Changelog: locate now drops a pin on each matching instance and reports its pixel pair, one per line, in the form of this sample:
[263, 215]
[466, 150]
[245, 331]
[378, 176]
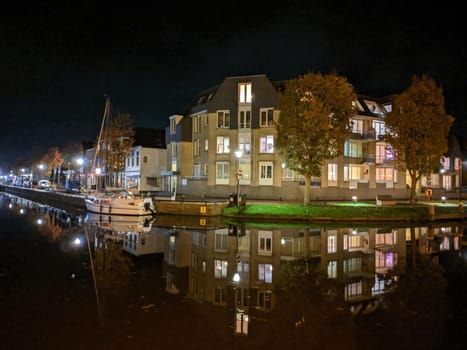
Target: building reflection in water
[236, 268]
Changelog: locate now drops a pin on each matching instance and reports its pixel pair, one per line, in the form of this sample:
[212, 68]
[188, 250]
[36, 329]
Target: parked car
[44, 184]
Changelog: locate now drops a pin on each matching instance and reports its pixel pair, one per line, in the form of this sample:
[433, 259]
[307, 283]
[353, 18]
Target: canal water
[72, 281]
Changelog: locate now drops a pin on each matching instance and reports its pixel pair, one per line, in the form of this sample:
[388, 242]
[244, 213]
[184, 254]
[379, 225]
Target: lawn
[340, 211]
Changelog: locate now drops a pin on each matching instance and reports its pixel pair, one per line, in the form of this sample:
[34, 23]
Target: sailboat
[116, 201]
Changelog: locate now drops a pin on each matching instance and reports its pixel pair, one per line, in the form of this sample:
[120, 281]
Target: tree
[314, 122]
[116, 143]
[418, 129]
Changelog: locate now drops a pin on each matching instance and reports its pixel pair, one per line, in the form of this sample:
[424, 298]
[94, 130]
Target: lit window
[223, 144]
[244, 91]
[265, 272]
[220, 268]
[266, 144]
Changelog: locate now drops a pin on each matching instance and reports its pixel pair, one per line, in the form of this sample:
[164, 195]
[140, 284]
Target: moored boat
[120, 203]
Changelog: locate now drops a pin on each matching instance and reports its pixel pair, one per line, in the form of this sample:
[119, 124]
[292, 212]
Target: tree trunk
[413, 189]
[306, 195]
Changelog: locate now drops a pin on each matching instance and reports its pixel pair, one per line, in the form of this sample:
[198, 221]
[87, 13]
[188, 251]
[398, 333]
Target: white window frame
[223, 144]
[244, 118]
[332, 174]
[266, 173]
[222, 173]
[266, 144]
[223, 119]
[266, 117]
[264, 242]
[245, 93]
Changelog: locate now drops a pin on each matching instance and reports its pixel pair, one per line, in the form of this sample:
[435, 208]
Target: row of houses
[198, 156]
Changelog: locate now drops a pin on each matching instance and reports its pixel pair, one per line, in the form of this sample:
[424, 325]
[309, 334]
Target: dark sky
[58, 62]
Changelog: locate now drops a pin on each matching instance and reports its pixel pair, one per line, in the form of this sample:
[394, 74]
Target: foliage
[310, 308]
[418, 128]
[314, 122]
[52, 161]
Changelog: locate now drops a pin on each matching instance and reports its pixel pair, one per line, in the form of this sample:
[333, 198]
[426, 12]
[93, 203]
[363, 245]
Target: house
[146, 160]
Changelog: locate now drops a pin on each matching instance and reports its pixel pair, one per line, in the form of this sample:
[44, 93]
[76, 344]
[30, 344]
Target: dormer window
[244, 92]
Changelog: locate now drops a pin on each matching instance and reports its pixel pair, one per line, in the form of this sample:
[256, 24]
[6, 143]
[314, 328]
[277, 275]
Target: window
[384, 174]
[196, 170]
[352, 265]
[205, 169]
[353, 290]
[223, 119]
[206, 144]
[332, 241]
[266, 117]
[380, 153]
[173, 149]
[351, 173]
[221, 239]
[173, 124]
[244, 91]
[244, 143]
[332, 174]
[264, 300]
[332, 269]
[223, 144]
[266, 144]
[379, 129]
[220, 268]
[353, 149]
[244, 121]
[264, 242]
[357, 126]
[265, 173]
[145, 160]
[196, 147]
[137, 158]
[222, 173]
[220, 295]
[447, 182]
[265, 272]
[196, 123]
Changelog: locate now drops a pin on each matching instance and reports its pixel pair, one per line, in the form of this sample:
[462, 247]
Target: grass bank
[346, 211]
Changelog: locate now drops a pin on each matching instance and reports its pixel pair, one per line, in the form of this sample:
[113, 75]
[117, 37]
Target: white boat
[120, 224]
[120, 203]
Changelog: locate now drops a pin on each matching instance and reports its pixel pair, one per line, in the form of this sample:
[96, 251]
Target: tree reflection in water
[301, 286]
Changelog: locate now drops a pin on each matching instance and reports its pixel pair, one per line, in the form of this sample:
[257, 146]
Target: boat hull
[115, 207]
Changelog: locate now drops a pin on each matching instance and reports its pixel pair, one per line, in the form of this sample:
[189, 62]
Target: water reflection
[294, 286]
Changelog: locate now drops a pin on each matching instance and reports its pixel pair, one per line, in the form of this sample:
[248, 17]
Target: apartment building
[239, 115]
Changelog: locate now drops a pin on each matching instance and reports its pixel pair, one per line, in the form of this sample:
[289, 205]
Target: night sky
[58, 63]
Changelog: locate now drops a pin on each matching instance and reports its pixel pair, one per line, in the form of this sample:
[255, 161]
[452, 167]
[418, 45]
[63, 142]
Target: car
[44, 184]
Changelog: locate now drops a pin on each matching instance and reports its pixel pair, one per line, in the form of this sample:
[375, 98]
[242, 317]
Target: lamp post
[238, 173]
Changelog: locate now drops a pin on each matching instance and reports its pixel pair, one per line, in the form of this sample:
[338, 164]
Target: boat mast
[106, 119]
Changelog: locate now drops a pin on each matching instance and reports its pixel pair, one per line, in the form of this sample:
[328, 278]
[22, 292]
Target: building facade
[240, 114]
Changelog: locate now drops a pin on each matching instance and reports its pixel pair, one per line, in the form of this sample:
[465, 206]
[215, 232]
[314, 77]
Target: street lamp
[238, 173]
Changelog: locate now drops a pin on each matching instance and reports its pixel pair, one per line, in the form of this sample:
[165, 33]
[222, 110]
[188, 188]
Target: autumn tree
[53, 161]
[418, 127]
[314, 122]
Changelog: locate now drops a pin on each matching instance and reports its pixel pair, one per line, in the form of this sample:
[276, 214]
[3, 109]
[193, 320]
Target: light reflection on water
[186, 280]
